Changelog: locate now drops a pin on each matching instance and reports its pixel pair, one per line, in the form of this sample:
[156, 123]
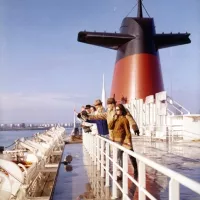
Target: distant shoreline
[26, 128]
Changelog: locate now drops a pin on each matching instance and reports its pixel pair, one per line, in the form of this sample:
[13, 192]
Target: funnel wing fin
[169, 40]
[103, 39]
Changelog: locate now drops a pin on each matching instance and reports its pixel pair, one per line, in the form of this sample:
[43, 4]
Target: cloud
[38, 107]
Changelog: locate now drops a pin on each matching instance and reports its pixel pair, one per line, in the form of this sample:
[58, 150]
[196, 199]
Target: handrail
[188, 112]
[96, 144]
[170, 173]
[175, 104]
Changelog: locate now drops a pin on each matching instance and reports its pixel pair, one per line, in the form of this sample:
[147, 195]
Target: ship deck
[84, 181]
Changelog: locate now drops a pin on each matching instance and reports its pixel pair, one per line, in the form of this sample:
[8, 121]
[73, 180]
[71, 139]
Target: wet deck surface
[182, 157]
[84, 182]
[71, 184]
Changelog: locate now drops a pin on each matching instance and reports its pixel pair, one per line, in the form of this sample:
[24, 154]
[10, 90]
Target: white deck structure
[159, 118]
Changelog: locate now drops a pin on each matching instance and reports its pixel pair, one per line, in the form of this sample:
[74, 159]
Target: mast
[139, 13]
[74, 119]
[103, 95]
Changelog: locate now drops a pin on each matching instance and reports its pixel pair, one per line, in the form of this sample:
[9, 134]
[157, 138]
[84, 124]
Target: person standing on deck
[111, 103]
[121, 134]
[87, 108]
[102, 125]
[92, 110]
[99, 107]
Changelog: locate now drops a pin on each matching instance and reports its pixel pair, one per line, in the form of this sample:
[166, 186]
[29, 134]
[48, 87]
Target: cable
[11, 144]
[142, 6]
[132, 9]
[146, 10]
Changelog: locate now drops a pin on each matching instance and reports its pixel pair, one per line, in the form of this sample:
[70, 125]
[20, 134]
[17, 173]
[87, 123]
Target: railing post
[174, 190]
[95, 150]
[107, 164]
[98, 154]
[85, 138]
[102, 158]
[114, 186]
[125, 178]
[91, 146]
[142, 180]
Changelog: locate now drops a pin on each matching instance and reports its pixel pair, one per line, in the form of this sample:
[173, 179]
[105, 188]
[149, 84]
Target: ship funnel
[139, 13]
[137, 72]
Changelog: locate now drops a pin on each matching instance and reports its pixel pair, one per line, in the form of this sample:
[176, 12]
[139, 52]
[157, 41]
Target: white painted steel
[102, 158]
[95, 150]
[174, 190]
[160, 118]
[98, 154]
[114, 186]
[36, 151]
[142, 180]
[103, 96]
[125, 178]
[176, 178]
[107, 164]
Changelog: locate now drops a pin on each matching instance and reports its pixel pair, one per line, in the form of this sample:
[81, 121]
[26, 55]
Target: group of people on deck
[116, 122]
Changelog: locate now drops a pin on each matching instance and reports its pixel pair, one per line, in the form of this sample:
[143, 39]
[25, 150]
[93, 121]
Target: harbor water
[8, 137]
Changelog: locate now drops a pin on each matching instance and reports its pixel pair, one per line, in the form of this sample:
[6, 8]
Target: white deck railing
[161, 117]
[99, 149]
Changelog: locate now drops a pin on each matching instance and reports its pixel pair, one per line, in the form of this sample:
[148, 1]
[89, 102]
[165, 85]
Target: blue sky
[45, 72]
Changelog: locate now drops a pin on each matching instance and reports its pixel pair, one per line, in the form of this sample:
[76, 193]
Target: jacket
[121, 131]
[102, 126]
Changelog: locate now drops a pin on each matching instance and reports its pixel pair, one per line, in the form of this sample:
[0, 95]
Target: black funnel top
[139, 13]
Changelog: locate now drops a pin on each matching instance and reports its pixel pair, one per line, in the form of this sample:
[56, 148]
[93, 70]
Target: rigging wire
[11, 144]
[135, 6]
[145, 10]
[132, 9]
[15, 142]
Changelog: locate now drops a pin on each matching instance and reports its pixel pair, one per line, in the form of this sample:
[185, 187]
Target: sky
[45, 72]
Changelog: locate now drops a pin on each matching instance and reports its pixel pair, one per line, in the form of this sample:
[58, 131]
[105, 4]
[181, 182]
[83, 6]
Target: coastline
[27, 128]
[23, 129]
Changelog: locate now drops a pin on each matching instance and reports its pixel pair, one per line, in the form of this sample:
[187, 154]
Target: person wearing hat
[108, 115]
[99, 108]
[92, 110]
[87, 108]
